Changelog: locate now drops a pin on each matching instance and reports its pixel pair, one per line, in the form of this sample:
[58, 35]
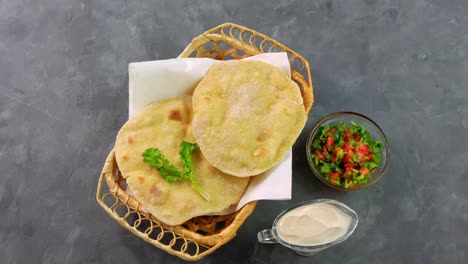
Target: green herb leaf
[374, 149]
[348, 184]
[325, 169]
[322, 131]
[356, 158]
[337, 181]
[316, 144]
[341, 127]
[379, 144]
[336, 135]
[185, 152]
[341, 142]
[169, 172]
[333, 166]
[362, 130]
[155, 158]
[377, 157]
[363, 181]
[370, 165]
[314, 159]
[340, 154]
[366, 138]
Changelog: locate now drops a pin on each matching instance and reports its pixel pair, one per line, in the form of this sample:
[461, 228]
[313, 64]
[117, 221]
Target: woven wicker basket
[202, 235]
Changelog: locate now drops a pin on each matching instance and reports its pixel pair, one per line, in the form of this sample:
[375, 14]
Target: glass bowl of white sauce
[311, 226]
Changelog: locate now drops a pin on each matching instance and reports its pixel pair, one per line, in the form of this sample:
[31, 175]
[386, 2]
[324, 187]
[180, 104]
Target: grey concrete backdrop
[63, 81]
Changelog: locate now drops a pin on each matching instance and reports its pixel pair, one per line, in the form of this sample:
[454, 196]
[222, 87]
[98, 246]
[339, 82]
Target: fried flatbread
[164, 125]
[247, 115]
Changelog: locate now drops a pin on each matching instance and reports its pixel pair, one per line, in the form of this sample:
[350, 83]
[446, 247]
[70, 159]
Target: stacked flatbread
[246, 115]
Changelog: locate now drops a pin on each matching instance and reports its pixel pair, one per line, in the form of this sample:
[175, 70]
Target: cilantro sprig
[169, 172]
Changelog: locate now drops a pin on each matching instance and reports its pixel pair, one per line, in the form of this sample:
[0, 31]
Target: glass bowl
[374, 130]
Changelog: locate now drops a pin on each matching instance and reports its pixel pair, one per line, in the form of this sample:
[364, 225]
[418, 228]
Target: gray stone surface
[63, 83]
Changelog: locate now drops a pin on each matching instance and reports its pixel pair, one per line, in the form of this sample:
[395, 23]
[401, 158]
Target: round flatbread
[164, 125]
[247, 115]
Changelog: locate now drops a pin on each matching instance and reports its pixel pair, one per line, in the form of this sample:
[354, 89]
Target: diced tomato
[346, 174]
[334, 175]
[347, 135]
[348, 157]
[336, 150]
[364, 171]
[325, 151]
[334, 159]
[348, 164]
[368, 150]
[332, 130]
[371, 157]
[330, 142]
[361, 156]
[363, 148]
[349, 170]
[348, 161]
[348, 146]
[319, 155]
[357, 138]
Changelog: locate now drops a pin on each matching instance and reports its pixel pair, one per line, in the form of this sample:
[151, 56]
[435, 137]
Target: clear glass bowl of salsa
[357, 159]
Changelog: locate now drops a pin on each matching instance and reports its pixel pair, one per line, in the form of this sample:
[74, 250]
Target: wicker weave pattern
[202, 235]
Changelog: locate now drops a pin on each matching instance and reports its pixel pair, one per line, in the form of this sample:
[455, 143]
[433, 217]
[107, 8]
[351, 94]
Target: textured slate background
[63, 81]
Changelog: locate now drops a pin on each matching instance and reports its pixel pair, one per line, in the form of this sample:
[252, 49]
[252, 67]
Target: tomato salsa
[345, 155]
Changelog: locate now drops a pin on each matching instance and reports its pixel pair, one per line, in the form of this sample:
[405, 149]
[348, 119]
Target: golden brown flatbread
[164, 125]
[247, 115]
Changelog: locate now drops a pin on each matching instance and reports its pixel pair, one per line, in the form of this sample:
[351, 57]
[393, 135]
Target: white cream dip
[313, 224]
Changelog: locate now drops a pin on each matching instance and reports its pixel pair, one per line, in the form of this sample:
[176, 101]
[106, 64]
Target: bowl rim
[337, 114]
